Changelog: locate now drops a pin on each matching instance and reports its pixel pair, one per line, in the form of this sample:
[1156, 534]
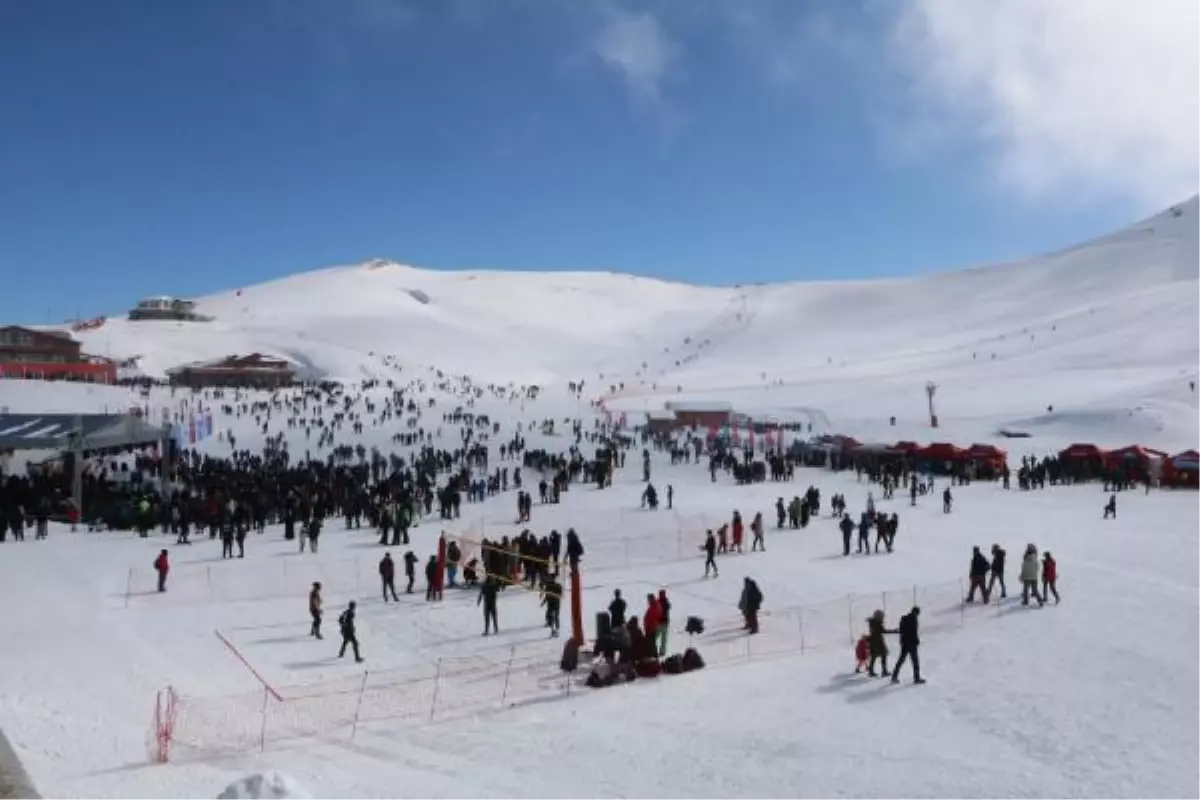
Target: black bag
[692, 660]
[673, 665]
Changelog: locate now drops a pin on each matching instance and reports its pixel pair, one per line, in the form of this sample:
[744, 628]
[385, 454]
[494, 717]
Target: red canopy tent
[907, 447]
[1135, 453]
[987, 453]
[1182, 470]
[1082, 452]
[942, 451]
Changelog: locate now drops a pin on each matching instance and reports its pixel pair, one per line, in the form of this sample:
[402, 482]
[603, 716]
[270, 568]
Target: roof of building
[252, 361]
[699, 405]
[53, 431]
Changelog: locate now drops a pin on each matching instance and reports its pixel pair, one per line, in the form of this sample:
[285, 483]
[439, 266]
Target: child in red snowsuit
[737, 532]
[862, 653]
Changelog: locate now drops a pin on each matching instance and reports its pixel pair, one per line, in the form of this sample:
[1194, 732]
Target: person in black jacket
[910, 640]
[410, 570]
[487, 598]
[979, 571]
[387, 576]
[349, 635]
[998, 556]
[314, 610]
[431, 580]
[616, 609]
[574, 549]
[710, 550]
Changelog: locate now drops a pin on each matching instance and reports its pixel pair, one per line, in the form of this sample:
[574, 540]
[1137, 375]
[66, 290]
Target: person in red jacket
[162, 566]
[1049, 577]
[652, 618]
[737, 531]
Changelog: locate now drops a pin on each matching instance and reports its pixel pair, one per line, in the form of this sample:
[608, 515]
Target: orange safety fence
[195, 726]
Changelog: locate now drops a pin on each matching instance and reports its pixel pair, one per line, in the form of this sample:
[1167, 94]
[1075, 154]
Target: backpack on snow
[673, 665]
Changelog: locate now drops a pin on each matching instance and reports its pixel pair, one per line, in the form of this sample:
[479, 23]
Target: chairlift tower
[930, 390]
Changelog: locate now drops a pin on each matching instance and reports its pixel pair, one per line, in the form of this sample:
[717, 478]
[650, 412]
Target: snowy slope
[1096, 697]
[1105, 332]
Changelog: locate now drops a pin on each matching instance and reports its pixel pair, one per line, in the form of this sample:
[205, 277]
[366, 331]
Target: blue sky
[191, 146]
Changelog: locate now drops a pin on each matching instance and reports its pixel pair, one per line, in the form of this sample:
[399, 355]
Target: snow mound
[264, 785]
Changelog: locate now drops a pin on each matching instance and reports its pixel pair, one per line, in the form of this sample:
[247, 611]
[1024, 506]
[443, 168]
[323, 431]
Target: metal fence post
[437, 682]
[362, 689]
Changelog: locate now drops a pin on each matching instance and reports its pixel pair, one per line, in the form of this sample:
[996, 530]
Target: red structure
[87, 371]
[942, 451]
[1082, 452]
[987, 454]
[1181, 471]
[31, 354]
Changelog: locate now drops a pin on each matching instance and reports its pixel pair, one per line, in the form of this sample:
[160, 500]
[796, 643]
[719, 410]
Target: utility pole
[77, 472]
[930, 389]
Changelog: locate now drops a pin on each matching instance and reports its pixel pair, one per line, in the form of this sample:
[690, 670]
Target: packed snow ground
[1060, 701]
[1095, 697]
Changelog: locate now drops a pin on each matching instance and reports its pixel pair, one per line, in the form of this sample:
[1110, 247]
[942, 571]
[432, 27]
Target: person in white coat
[1030, 570]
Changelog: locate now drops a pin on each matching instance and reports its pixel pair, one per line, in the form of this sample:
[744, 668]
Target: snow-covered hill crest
[1117, 317]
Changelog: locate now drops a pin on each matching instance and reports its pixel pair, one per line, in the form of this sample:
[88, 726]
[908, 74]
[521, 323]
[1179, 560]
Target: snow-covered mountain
[1104, 329]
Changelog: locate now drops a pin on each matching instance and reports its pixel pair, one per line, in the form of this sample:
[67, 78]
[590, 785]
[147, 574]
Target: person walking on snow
[710, 550]
[749, 605]
[978, 573]
[998, 557]
[1049, 577]
[756, 528]
[314, 610]
[349, 634]
[387, 576]
[1029, 576]
[879, 648]
[910, 640]
[487, 598]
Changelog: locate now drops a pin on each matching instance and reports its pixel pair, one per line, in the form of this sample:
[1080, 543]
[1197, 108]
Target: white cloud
[1078, 98]
[635, 47]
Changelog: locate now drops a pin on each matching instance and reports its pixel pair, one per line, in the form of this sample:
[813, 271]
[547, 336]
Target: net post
[362, 690]
[262, 731]
[577, 607]
[437, 684]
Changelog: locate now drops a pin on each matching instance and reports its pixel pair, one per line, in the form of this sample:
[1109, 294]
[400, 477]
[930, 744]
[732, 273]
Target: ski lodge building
[700, 414]
[253, 371]
[165, 308]
[26, 353]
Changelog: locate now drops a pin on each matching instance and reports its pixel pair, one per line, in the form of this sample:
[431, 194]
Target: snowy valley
[1095, 696]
